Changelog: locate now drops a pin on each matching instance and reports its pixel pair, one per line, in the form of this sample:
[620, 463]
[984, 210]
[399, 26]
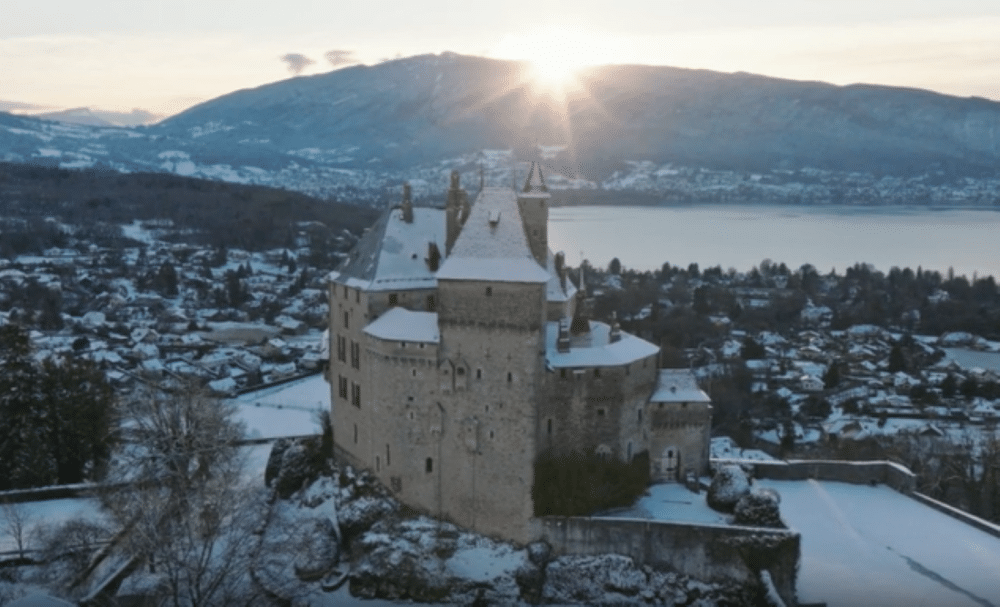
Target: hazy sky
[165, 56]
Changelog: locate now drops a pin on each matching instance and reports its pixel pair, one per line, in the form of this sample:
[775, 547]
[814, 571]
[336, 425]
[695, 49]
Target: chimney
[616, 330]
[560, 263]
[456, 211]
[562, 343]
[407, 204]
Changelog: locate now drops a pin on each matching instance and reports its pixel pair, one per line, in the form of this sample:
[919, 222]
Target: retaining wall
[858, 473]
[712, 553]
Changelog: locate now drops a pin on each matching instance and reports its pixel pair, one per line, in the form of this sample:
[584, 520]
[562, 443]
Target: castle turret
[533, 201]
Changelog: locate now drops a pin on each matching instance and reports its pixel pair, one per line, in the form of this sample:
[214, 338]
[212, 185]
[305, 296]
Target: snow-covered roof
[678, 385]
[492, 244]
[595, 348]
[400, 324]
[392, 255]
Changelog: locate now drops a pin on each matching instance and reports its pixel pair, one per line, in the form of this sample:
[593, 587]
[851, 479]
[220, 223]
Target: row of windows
[563, 372]
[355, 351]
[355, 391]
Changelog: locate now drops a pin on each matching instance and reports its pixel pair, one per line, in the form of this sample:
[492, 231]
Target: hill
[356, 133]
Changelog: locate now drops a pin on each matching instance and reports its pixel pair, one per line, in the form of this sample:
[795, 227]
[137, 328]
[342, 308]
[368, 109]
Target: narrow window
[388, 456]
[345, 291]
[479, 373]
[429, 465]
[628, 453]
[378, 464]
[548, 426]
[355, 434]
[491, 435]
[489, 291]
[640, 416]
[393, 301]
[510, 377]
[413, 372]
[600, 413]
[342, 386]
[412, 416]
[562, 373]
[347, 319]
[431, 303]
[597, 372]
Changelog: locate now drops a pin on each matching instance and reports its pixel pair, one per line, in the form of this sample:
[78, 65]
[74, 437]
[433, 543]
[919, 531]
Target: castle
[459, 353]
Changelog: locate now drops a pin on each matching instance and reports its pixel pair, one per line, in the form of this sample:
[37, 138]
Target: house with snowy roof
[460, 352]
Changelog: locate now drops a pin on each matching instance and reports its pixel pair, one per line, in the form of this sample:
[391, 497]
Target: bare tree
[340, 57]
[189, 511]
[18, 522]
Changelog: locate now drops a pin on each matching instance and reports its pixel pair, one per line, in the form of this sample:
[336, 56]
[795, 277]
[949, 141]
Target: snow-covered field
[285, 410]
[866, 545]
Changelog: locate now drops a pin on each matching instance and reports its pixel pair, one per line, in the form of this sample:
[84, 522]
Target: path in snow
[865, 545]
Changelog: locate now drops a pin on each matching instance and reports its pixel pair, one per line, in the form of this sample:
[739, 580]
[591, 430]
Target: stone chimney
[616, 330]
[560, 263]
[407, 205]
[562, 343]
[456, 211]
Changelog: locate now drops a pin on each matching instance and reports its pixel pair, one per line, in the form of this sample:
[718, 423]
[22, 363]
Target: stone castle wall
[714, 553]
[683, 428]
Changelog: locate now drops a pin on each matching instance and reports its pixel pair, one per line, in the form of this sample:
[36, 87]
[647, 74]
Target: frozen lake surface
[741, 236]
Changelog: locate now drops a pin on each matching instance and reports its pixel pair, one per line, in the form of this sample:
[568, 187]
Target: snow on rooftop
[865, 545]
[492, 244]
[678, 385]
[595, 349]
[400, 324]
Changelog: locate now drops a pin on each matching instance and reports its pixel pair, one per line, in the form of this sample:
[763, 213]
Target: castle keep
[459, 352]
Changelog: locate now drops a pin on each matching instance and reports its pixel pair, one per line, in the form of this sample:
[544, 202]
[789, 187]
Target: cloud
[13, 106]
[340, 57]
[296, 62]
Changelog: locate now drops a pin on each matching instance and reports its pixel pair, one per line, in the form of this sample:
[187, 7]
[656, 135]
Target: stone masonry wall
[714, 553]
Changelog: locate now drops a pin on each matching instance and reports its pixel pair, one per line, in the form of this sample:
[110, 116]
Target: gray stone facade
[449, 379]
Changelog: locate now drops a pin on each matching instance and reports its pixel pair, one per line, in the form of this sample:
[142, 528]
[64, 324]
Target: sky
[166, 56]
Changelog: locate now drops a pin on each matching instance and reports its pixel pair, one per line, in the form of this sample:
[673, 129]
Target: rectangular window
[342, 348]
[428, 465]
[345, 291]
[431, 303]
[342, 387]
[355, 354]
[356, 394]
[393, 301]
[347, 319]
[355, 434]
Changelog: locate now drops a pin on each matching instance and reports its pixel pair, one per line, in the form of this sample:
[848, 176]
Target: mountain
[670, 133]
[80, 115]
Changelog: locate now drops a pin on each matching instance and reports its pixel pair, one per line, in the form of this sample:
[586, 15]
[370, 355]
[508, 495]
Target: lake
[644, 237]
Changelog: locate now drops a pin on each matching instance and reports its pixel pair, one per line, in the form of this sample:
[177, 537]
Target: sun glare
[556, 55]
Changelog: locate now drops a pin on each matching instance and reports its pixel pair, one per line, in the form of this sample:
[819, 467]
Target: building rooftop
[400, 324]
[492, 244]
[678, 385]
[393, 254]
[595, 348]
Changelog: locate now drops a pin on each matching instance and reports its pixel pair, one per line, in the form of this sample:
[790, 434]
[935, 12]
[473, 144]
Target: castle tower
[533, 202]
[491, 369]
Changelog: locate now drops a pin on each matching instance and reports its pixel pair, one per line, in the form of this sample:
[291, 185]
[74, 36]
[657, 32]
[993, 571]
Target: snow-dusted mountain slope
[357, 133]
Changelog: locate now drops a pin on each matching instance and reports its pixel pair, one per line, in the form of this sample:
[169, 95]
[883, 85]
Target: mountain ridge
[356, 133]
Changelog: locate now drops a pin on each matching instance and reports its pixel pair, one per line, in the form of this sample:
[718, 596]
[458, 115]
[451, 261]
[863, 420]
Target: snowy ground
[671, 502]
[866, 545]
[285, 410]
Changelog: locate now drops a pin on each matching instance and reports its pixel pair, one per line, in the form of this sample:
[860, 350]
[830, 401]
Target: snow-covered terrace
[595, 348]
[864, 545]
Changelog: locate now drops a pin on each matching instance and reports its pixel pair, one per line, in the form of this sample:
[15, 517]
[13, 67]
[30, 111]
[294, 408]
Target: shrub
[581, 484]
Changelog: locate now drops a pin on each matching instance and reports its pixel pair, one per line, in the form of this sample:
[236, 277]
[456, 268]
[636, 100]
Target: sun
[556, 55]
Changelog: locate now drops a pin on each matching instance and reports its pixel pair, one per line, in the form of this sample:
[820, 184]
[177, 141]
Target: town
[798, 365]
